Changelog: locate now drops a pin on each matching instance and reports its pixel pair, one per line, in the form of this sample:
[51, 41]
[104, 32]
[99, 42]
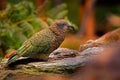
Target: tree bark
[3, 4]
[87, 19]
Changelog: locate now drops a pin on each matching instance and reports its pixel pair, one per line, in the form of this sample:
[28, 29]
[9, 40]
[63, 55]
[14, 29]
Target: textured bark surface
[65, 65]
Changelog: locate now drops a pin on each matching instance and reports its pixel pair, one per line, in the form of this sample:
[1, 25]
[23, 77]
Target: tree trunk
[3, 4]
[87, 19]
[39, 2]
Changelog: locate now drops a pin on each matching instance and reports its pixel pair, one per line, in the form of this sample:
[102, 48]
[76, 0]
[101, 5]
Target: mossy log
[66, 65]
[57, 66]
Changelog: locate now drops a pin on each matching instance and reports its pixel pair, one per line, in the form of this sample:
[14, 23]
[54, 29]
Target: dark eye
[56, 53]
[61, 25]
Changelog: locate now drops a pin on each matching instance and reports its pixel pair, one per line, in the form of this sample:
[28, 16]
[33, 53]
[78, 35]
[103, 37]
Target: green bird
[42, 43]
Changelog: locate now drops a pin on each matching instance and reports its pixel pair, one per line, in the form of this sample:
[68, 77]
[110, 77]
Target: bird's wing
[38, 47]
[40, 42]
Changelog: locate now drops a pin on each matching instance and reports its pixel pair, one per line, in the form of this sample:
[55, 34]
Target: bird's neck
[57, 31]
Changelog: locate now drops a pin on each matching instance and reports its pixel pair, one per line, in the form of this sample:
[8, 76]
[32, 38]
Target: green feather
[13, 58]
[38, 43]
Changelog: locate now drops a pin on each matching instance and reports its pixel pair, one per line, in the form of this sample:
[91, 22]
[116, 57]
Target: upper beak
[71, 27]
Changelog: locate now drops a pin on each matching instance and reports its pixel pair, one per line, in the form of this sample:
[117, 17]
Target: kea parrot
[42, 43]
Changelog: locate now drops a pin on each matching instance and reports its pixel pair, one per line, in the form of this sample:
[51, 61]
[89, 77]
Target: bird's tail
[12, 58]
[8, 55]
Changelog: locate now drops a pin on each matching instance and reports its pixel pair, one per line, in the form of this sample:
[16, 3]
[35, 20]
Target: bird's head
[63, 25]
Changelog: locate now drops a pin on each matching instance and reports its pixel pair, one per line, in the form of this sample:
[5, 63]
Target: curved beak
[71, 27]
